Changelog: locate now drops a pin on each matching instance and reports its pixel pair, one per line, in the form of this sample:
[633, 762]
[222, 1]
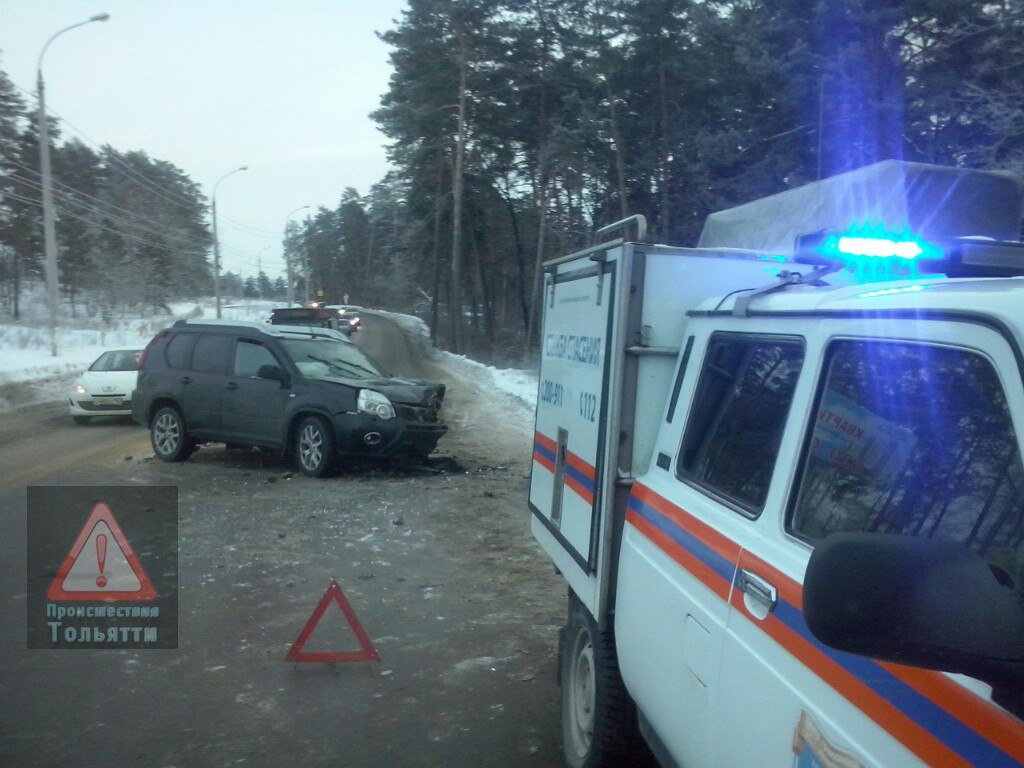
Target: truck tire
[599, 722]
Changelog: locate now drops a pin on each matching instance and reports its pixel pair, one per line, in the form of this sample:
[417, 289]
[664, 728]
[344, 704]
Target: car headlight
[80, 389]
[375, 404]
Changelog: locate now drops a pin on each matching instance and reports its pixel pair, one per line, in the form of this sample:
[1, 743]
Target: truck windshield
[327, 358]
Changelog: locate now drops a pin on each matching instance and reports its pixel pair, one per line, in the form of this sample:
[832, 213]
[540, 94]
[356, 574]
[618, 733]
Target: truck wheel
[167, 434]
[314, 447]
[599, 726]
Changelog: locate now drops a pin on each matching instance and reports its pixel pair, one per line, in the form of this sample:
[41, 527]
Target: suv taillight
[145, 352]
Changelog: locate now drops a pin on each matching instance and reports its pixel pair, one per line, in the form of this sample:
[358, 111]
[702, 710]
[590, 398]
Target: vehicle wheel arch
[296, 418]
[164, 402]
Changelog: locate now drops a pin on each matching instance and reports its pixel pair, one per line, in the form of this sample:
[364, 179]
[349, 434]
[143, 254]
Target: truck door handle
[757, 588]
[232, 386]
[186, 379]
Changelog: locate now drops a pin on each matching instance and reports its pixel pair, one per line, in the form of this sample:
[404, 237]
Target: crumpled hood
[398, 390]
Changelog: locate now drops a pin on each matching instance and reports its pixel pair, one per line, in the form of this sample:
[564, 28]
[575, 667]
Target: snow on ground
[27, 366]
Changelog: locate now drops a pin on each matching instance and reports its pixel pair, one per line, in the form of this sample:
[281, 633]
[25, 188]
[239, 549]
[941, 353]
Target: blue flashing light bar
[880, 247]
[877, 254]
[874, 242]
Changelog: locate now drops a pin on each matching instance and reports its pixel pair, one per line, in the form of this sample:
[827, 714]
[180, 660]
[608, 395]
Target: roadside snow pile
[519, 383]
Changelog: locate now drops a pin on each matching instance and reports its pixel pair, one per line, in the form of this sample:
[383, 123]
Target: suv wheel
[167, 434]
[314, 447]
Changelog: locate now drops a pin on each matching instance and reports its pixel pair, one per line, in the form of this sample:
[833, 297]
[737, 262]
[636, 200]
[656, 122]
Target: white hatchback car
[106, 388]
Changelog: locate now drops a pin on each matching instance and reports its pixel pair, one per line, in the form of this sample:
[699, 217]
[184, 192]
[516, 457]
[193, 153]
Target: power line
[147, 184]
[71, 198]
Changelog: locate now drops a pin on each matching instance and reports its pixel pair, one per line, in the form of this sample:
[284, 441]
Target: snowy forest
[517, 127]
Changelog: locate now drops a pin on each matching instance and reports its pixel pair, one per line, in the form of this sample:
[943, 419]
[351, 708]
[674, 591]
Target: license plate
[108, 400]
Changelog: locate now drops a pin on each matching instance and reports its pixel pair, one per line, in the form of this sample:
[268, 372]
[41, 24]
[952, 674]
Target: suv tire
[314, 447]
[168, 437]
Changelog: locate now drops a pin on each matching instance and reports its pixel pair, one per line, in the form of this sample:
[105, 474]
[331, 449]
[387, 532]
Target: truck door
[572, 410]
[686, 516]
[890, 436]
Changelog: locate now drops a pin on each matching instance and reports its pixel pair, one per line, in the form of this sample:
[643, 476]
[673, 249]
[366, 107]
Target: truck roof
[995, 297]
[933, 202]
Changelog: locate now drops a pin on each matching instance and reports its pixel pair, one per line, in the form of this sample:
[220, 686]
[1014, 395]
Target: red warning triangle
[369, 653]
[101, 564]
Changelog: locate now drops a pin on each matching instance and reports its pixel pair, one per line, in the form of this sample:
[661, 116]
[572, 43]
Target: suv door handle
[757, 588]
[186, 379]
[232, 386]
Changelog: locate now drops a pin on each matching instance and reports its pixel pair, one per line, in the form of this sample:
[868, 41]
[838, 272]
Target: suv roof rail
[251, 324]
[281, 331]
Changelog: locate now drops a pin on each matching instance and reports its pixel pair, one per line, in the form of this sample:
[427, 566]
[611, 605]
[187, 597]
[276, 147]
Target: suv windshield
[325, 358]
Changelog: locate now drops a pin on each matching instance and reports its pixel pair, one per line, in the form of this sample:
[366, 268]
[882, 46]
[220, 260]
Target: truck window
[917, 440]
[733, 431]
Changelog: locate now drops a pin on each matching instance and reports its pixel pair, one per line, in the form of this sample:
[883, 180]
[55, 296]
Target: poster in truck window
[570, 407]
[859, 441]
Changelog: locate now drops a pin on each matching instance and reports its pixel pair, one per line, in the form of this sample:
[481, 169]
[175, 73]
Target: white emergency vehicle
[781, 474]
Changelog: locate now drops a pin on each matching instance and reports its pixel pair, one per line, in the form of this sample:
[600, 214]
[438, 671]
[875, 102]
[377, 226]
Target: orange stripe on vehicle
[575, 461]
[708, 577]
[849, 675]
[547, 442]
[723, 545]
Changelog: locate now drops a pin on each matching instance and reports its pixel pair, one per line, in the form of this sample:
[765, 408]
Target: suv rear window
[177, 349]
[916, 440]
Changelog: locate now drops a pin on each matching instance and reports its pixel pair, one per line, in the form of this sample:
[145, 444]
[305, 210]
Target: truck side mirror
[916, 601]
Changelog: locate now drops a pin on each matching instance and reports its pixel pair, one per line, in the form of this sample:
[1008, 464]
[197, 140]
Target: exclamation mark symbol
[101, 558]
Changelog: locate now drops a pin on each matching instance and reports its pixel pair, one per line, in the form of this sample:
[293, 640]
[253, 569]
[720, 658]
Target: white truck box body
[614, 317]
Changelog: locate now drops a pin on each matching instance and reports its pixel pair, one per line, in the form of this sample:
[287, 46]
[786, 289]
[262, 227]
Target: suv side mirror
[272, 372]
[923, 602]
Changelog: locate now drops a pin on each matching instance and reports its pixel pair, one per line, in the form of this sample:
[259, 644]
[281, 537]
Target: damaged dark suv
[309, 392]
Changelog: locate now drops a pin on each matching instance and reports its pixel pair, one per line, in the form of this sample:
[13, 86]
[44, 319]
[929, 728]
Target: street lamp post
[216, 241]
[49, 228]
[288, 262]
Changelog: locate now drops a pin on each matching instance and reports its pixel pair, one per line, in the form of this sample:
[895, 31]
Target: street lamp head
[100, 17]
[244, 168]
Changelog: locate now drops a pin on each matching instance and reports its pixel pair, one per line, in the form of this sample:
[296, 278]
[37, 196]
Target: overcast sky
[209, 85]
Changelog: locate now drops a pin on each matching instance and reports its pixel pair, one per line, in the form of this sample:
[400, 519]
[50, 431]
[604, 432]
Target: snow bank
[519, 383]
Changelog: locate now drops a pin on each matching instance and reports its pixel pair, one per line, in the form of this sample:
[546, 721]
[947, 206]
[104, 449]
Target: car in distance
[350, 314]
[306, 391]
[105, 389]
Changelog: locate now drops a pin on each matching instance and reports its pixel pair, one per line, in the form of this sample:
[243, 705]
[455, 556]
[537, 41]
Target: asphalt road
[437, 562]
